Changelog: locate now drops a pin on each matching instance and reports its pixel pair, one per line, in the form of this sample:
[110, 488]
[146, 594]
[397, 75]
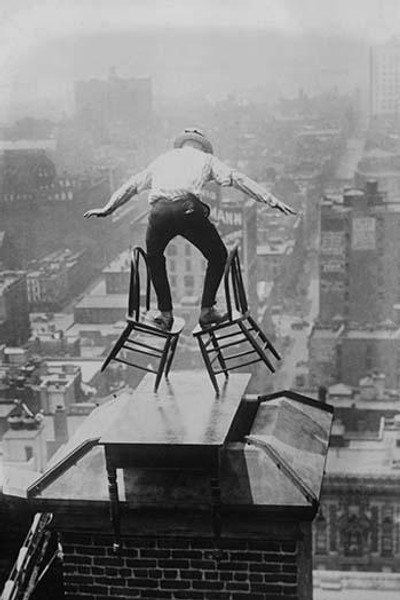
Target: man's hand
[95, 212]
[285, 208]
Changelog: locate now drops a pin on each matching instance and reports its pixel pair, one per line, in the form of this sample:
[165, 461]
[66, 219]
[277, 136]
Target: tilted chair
[239, 341]
[141, 344]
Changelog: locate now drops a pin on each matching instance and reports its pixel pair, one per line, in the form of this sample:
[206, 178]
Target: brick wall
[181, 568]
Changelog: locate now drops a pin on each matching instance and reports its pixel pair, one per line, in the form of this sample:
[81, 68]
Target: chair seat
[177, 325]
[236, 317]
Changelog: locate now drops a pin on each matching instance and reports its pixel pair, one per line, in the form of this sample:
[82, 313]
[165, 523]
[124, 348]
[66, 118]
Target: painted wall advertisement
[229, 222]
[332, 243]
[363, 233]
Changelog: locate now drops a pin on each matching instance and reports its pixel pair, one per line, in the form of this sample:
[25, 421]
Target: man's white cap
[194, 135]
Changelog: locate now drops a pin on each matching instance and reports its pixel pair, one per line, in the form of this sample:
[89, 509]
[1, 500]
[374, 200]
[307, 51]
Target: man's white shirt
[186, 170]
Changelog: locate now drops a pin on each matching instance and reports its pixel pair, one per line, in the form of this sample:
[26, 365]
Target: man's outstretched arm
[133, 186]
[226, 176]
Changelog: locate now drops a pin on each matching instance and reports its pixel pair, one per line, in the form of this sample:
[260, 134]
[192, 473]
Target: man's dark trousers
[187, 217]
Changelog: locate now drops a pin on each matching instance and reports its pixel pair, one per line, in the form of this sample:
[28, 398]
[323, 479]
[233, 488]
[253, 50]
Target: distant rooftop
[121, 263]
[355, 585]
[367, 457]
[7, 278]
[107, 301]
[357, 332]
[375, 332]
[54, 263]
[275, 248]
[326, 333]
[42, 323]
[45, 144]
[90, 329]
[88, 367]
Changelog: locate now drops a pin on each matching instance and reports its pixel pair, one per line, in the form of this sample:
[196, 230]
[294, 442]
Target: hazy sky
[46, 44]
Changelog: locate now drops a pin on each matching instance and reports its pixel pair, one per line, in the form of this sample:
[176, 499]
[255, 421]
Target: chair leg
[171, 355]
[117, 347]
[264, 337]
[208, 364]
[162, 363]
[115, 513]
[221, 360]
[256, 347]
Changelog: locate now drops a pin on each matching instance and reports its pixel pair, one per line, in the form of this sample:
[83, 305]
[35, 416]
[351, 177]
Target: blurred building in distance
[385, 79]
[358, 526]
[114, 107]
[14, 308]
[56, 278]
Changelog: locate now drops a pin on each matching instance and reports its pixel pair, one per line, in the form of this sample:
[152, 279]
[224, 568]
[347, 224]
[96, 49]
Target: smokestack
[379, 384]
[60, 425]
[322, 393]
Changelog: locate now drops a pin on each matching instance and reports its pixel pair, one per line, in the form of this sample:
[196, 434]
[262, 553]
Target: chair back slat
[134, 283]
[244, 306]
[227, 274]
[233, 282]
[133, 298]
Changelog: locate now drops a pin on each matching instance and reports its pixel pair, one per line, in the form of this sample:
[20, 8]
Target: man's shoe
[212, 316]
[162, 320]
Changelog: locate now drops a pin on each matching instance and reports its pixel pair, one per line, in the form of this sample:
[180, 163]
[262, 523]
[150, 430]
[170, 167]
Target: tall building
[8, 254]
[332, 253]
[14, 309]
[57, 277]
[103, 105]
[359, 289]
[42, 210]
[358, 527]
[359, 252]
[385, 79]
[381, 165]
[346, 353]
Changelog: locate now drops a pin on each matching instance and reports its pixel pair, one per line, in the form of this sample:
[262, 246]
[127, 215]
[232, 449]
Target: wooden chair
[239, 341]
[141, 344]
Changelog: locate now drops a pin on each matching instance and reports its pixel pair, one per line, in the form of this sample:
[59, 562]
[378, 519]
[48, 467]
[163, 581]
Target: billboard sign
[363, 233]
[332, 243]
[332, 266]
[229, 222]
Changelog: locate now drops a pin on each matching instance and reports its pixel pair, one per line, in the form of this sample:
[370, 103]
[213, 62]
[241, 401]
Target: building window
[397, 529]
[171, 250]
[172, 265]
[28, 453]
[387, 533]
[188, 265]
[188, 250]
[353, 537]
[188, 281]
[333, 528]
[369, 357]
[172, 281]
[321, 538]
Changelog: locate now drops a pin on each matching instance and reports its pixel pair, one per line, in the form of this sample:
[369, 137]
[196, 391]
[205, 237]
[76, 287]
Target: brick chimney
[182, 495]
[60, 425]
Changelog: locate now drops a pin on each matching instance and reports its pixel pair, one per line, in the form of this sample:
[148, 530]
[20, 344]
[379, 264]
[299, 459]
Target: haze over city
[189, 48]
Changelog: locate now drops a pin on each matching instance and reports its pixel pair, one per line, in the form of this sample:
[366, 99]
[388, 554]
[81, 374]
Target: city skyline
[281, 47]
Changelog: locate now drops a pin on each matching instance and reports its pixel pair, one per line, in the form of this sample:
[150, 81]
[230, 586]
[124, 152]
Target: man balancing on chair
[175, 180]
